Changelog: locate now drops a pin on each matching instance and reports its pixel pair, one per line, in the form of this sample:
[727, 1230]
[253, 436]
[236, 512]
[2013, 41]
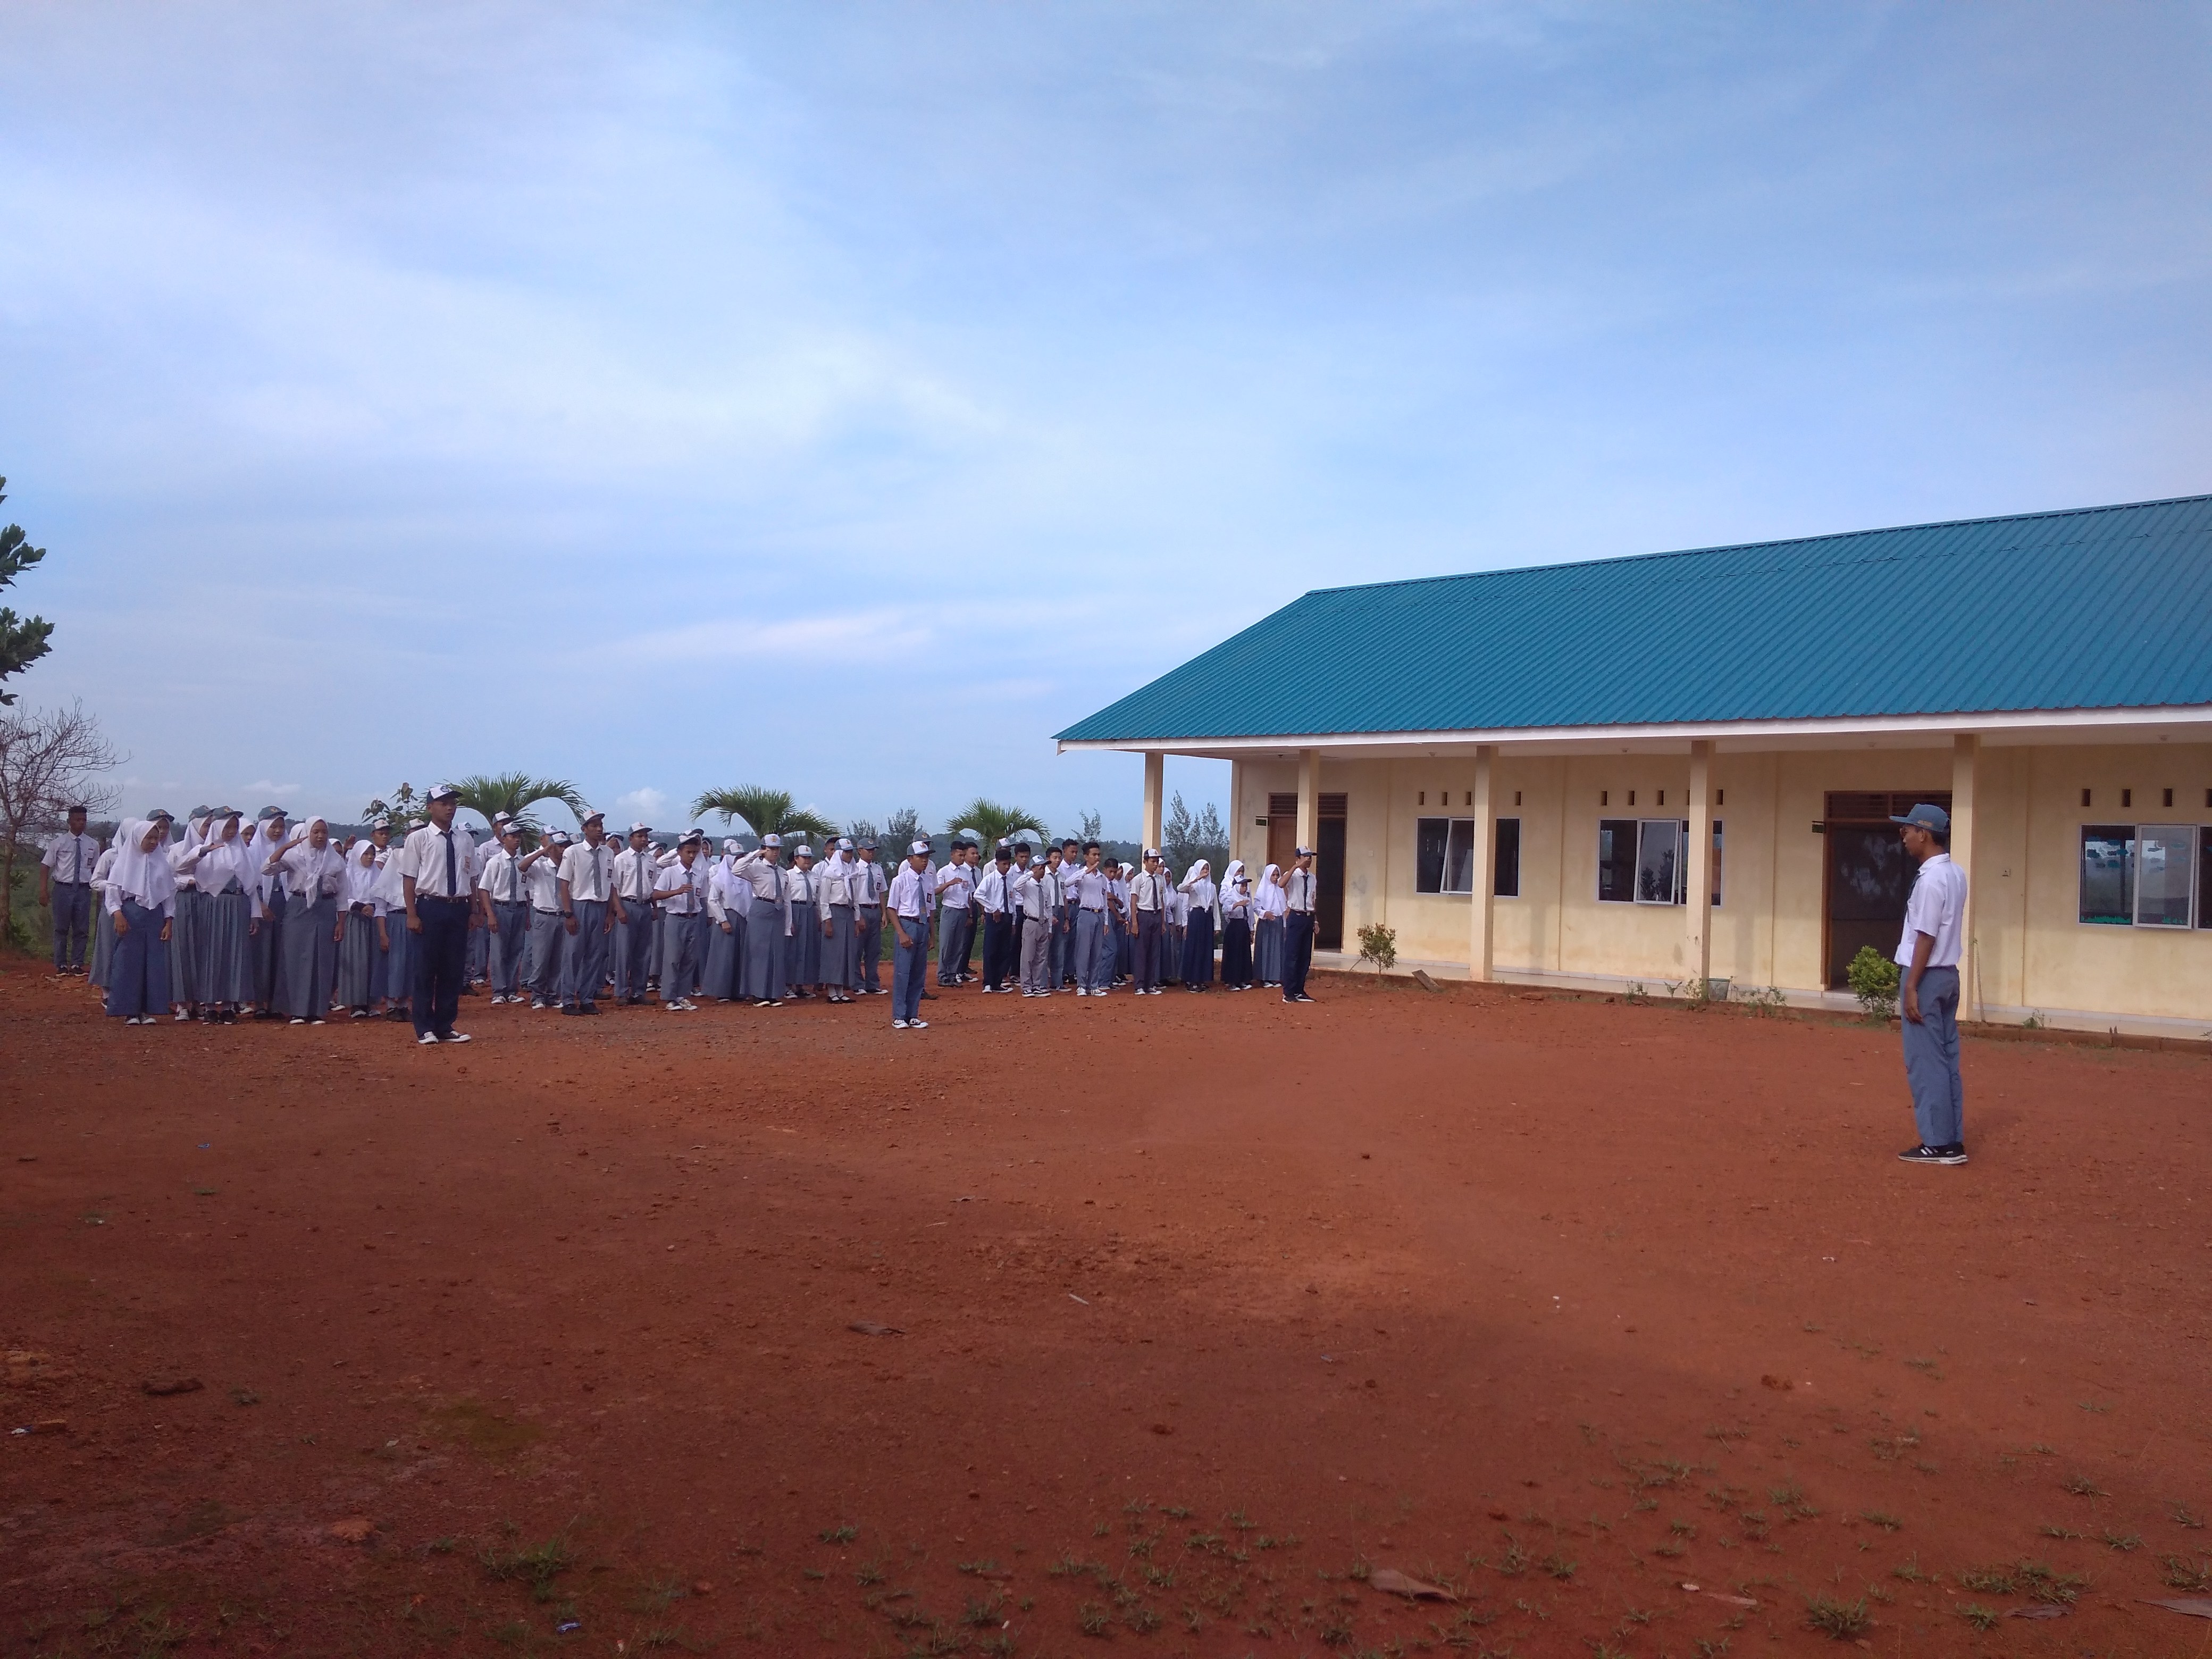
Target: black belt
[87, 883]
[540, 910]
[430, 898]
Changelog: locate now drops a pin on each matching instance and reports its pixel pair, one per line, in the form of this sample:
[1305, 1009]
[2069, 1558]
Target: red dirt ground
[1207, 1306]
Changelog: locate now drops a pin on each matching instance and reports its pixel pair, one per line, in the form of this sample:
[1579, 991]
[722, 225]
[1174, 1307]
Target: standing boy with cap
[637, 870]
[1148, 910]
[1928, 952]
[954, 883]
[436, 871]
[505, 899]
[912, 894]
[869, 886]
[1298, 890]
[994, 901]
[542, 871]
[65, 884]
[677, 890]
[589, 910]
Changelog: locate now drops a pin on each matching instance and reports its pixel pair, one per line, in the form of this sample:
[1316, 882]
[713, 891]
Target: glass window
[1659, 862]
[1429, 835]
[1507, 884]
[2108, 874]
[1459, 857]
[1616, 860]
[2166, 857]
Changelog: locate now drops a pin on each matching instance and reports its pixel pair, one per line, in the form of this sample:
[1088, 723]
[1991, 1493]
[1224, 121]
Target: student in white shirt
[913, 894]
[589, 908]
[504, 892]
[955, 885]
[65, 884]
[802, 967]
[870, 884]
[437, 871]
[637, 870]
[768, 923]
[543, 967]
[1237, 913]
[994, 903]
[835, 883]
[1928, 996]
[1300, 890]
[1037, 891]
[141, 908]
[1196, 895]
[726, 942]
[314, 875]
[1267, 927]
[228, 919]
[677, 890]
[1148, 910]
[1094, 935]
[361, 976]
[266, 838]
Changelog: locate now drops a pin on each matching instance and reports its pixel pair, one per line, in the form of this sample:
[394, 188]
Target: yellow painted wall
[2034, 953]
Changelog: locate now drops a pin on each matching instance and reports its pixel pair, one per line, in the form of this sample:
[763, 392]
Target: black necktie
[452, 884]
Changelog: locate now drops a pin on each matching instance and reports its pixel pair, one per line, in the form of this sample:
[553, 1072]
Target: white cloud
[279, 790]
[640, 805]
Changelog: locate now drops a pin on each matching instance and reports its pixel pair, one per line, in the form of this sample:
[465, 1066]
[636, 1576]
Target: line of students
[284, 923]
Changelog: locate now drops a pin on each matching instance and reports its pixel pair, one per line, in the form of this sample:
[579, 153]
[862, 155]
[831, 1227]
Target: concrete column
[1484, 875]
[1698, 873]
[1309, 798]
[1240, 817]
[1965, 755]
[1156, 772]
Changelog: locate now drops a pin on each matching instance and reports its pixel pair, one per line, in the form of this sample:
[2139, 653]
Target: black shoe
[572, 1011]
[1927, 1154]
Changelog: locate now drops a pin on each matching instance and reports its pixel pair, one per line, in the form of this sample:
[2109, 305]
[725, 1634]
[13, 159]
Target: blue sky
[845, 399]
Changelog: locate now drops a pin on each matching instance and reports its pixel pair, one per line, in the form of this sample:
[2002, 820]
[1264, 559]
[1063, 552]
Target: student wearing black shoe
[1299, 889]
[1935, 926]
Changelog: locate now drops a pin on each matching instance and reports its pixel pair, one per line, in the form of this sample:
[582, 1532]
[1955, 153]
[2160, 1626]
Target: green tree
[515, 794]
[1186, 839]
[990, 820]
[764, 812]
[22, 639]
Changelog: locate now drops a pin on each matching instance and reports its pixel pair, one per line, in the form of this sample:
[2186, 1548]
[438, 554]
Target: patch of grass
[2122, 1541]
[1926, 1368]
[1142, 1620]
[1845, 1621]
[867, 1573]
[985, 1614]
[1910, 1573]
[1882, 1518]
[1516, 1560]
[2058, 1532]
[2097, 1407]
[1092, 1620]
[1072, 1566]
[1979, 1617]
[1998, 1580]
[537, 1566]
[1559, 1567]
[2081, 1487]
[980, 1569]
[1176, 1512]
[2182, 1517]
[1682, 1528]
[843, 1533]
[2178, 1572]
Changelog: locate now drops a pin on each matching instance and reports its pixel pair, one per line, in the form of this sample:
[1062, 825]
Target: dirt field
[1206, 1308]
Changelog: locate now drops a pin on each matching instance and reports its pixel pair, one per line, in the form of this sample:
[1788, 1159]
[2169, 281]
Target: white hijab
[1270, 899]
[223, 861]
[362, 870]
[312, 872]
[1233, 900]
[141, 876]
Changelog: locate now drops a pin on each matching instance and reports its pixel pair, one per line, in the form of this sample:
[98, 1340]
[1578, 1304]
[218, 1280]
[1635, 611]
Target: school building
[1679, 769]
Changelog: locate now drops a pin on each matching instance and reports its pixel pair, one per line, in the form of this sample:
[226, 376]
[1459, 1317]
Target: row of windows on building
[2147, 875]
[1639, 861]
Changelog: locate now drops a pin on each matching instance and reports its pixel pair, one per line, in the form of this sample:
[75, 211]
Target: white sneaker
[455, 1037]
[917, 1026]
[428, 1039]
[898, 1025]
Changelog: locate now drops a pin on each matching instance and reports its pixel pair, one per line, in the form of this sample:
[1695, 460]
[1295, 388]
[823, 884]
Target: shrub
[1873, 978]
[1378, 944]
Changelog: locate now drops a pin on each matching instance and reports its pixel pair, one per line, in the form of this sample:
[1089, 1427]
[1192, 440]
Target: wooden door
[1867, 876]
[1282, 832]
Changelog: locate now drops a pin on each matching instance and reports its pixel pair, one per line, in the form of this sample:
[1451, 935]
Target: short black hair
[1089, 846]
[1071, 841]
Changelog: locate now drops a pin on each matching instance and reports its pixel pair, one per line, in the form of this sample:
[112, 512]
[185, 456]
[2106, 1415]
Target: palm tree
[515, 794]
[991, 820]
[765, 812]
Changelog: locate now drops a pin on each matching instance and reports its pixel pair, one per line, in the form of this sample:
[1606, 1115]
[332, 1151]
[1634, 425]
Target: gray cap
[443, 792]
[1927, 818]
[919, 846]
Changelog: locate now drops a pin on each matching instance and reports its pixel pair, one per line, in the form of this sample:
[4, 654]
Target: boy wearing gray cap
[1928, 952]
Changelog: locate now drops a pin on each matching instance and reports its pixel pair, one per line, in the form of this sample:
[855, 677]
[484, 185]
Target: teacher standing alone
[436, 868]
[1934, 928]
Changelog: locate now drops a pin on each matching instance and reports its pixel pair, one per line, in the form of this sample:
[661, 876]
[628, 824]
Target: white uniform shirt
[544, 876]
[766, 879]
[1037, 890]
[869, 884]
[991, 892]
[589, 871]
[911, 890]
[1150, 892]
[1299, 891]
[955, 882]
[310, 876]
[423, 856]
[69, 859]
[502, 878]
[636, 872]
[1093, 889]
[683, 891]
[833, 883]
[1937, 908]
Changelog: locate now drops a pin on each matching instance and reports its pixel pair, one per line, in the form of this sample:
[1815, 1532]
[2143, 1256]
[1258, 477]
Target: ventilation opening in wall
[1631, 797]
[1662, 797]
[1603, 798]
[1720, 798]
[1470, 797]
[2169, 798]
[1422, 798]
[2127, 797]
[2085, 798]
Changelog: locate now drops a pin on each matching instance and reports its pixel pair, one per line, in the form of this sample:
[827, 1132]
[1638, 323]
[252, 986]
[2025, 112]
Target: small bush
[1874, 979]
[1378, 944]
[1843, 1620]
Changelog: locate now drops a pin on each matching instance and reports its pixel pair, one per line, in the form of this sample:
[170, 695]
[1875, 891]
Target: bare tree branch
[50, 760]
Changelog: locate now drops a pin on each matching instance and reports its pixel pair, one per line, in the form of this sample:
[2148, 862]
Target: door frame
[1853, 810]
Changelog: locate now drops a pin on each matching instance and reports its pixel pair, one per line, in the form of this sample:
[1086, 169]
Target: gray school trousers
[72, 922]
[868, 930]
[1931, 1061]
[542, 967]
[1094, 950]
[507, 945]
[680, 966]
[1036, 953]
[585, 968]
[952, 942]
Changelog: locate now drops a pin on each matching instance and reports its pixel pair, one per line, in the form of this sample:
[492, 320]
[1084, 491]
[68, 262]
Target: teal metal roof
[2104, 607]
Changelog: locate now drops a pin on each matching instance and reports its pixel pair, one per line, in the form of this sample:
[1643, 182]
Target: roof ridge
[1743, 547]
